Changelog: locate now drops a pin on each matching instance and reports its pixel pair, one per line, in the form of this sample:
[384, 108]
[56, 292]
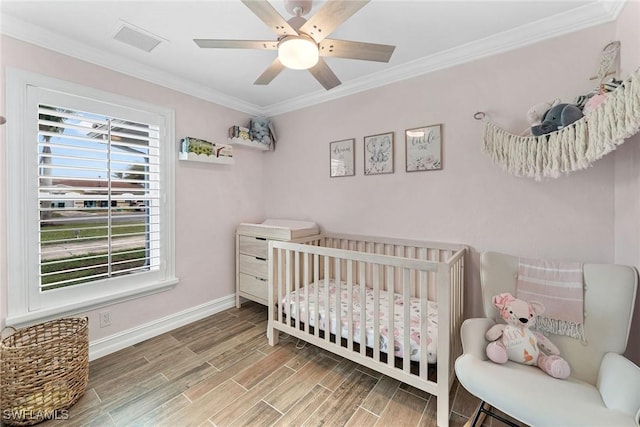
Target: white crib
[315, 295]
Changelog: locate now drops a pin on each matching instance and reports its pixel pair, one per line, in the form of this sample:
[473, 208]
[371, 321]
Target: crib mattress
[398, 334]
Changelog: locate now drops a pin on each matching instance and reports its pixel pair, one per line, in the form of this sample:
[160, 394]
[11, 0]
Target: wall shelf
[223, 160]
[199, 150]
[248, 143]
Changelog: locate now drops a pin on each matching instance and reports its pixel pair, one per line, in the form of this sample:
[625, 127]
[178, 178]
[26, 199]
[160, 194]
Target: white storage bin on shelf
[248, 143]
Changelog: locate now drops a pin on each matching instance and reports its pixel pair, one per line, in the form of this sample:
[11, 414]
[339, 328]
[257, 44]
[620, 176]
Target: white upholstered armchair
[604, 387]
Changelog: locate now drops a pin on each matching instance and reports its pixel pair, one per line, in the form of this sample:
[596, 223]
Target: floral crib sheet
[398, 344]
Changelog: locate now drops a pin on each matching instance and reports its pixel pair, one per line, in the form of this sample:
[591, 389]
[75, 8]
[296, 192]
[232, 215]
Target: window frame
[26, 304]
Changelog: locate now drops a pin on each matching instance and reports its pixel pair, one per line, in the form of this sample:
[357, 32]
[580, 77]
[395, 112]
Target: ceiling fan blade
[270, 73]
[324, 75]
[270, 16]
[356, 50]
[237, 44]
[332, 14]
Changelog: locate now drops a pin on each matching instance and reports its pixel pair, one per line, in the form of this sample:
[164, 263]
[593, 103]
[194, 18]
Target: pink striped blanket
[559, 286]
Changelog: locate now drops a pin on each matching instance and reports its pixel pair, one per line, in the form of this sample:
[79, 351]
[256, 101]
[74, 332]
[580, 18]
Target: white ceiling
[428, 35]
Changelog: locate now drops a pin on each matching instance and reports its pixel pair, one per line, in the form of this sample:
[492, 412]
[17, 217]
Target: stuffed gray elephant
[556, 118]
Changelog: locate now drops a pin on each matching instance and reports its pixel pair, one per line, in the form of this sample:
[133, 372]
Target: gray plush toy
[556, 118]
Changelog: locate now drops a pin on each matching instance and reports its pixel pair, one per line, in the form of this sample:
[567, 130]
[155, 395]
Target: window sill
[25, 319]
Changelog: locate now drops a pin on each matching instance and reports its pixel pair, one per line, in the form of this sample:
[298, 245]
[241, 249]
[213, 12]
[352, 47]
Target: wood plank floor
[221, 371]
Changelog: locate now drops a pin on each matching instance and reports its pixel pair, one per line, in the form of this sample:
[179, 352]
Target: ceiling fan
[302, 43]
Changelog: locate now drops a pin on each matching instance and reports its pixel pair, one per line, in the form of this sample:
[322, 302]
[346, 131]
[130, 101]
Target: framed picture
[423, 148]
[342, 155]
[378, 154]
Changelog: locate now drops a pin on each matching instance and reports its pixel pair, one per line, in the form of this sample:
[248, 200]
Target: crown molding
[599, 12]
[24, 31]
[613, 7]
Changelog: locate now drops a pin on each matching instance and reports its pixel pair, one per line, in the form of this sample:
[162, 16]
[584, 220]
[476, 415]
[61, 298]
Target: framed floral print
[423, 148]
[378, 154]
[342, 156]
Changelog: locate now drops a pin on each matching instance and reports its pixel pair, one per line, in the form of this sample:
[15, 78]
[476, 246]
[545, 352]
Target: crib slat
[363, 311]
[350, 304]
[279, 286]
[327, 301]
[369, 267]
[296, 287]
[433, 289]
[424, 321]
[454, 311]
[410, 252]
[316, 281]
[444, 367]
[406, 288]
[376, 312]
[391, 321]
[287, 265]
[458, 303]
[397, 277]
[305, 280]
[338, 310]
[422, 278]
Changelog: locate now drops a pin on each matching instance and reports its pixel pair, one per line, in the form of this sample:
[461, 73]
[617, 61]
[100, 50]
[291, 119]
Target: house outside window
[91, 198]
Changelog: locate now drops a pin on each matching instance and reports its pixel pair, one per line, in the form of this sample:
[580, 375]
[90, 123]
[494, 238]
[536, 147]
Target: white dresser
[252, 255]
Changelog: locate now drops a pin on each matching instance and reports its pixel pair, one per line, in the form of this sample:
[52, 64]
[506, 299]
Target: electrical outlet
[105, 319]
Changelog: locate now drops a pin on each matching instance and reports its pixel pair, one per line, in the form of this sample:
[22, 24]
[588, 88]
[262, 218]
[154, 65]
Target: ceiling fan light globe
[298, 53]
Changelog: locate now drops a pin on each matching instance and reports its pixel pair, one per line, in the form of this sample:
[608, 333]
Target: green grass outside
[72, 232]
[135, 259]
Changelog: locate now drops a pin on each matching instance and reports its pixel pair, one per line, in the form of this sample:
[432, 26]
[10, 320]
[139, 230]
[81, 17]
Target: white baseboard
[120, 340]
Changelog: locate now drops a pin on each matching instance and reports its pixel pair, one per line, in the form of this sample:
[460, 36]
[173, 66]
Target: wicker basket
[44, 370]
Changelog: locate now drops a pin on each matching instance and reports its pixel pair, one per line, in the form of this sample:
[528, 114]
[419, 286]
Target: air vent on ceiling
[137, 37]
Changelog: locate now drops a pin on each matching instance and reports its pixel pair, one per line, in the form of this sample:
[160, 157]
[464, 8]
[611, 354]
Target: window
[90, 203]
[96, 165]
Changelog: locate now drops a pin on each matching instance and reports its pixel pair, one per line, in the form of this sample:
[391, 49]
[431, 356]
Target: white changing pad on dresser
[280, 229]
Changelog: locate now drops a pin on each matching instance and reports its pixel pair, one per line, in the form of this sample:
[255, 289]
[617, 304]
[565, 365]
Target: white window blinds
[99, 197]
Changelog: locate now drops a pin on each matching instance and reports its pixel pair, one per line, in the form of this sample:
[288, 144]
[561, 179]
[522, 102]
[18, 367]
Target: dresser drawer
[255, 246]
[257, 267]
[253, 286]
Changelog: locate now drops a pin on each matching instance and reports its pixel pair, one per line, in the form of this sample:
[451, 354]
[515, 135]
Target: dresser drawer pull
[261, 238]
[261, 259]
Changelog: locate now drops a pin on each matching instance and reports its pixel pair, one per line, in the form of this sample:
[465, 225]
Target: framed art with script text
[342, 155]
[424, 148]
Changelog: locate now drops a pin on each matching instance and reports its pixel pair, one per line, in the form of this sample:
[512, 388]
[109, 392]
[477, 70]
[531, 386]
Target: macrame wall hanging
[577, 145]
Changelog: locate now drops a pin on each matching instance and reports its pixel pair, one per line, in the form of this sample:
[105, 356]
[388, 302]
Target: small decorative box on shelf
[248, 143]
[199, 150]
